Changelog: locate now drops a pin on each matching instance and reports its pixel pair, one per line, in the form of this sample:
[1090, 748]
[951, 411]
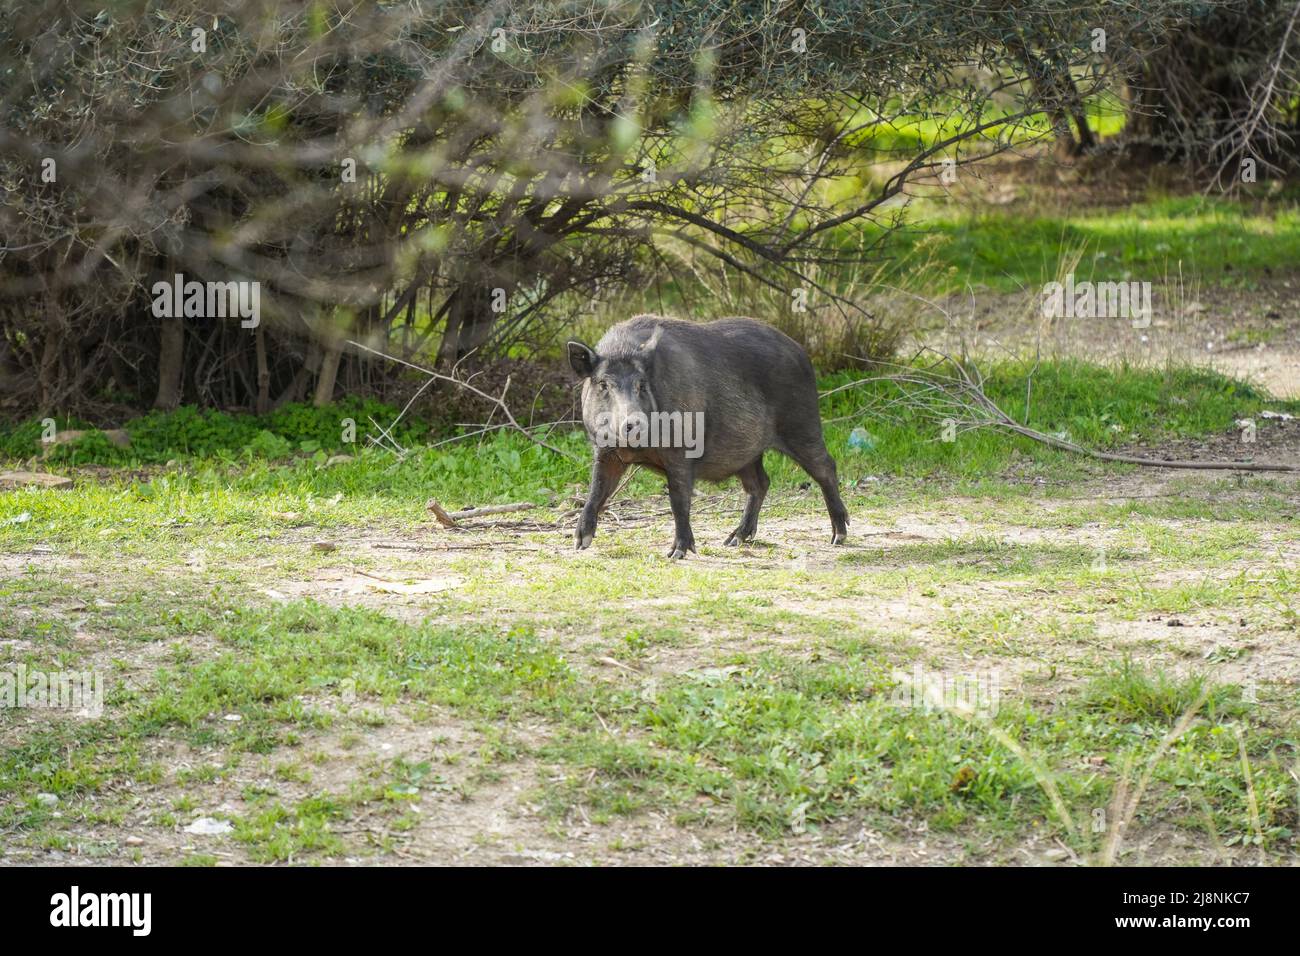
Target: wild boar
[700, 401]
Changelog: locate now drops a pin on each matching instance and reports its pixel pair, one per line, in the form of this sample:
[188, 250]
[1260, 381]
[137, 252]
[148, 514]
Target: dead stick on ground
[1149, 462]
[448, 519]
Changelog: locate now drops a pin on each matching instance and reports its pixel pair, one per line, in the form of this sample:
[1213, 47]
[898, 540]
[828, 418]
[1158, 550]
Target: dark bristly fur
[755, 387]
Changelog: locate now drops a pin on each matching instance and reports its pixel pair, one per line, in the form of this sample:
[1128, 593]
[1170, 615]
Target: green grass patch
[1161, 241]
[1093, 405]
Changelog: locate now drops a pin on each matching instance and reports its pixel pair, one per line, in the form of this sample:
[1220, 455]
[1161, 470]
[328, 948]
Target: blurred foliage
[455, 181]
[190, 432]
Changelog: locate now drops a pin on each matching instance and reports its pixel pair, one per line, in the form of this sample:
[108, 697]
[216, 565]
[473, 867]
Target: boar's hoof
[679, 549]
[582, 540]
[837, 537]
[739, 536]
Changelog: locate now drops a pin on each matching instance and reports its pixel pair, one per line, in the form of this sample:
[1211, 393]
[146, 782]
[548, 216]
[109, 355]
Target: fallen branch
[448, 519]
[466, 546]
[1150, 462]
[962, 400]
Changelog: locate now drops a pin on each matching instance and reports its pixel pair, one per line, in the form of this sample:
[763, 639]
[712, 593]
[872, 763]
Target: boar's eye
[603, 386]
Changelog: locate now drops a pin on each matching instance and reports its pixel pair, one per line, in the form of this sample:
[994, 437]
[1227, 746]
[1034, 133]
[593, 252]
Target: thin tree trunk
[171, 362]
[448, 348]
[469, 322]
[329, 370]
[49, 376]
[293, 392]
[263, 373]
[1061, 99]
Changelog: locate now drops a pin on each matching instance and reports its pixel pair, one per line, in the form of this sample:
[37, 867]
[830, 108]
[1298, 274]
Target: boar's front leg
[681, 486]
[606, 470]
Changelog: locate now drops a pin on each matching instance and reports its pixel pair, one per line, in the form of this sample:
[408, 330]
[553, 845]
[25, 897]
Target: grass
[786, 746]
[907, 134]
[771, 743]
[780, 718]
[1213, 240]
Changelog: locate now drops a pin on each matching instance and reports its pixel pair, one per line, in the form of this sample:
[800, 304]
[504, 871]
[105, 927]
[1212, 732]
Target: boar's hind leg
[681, 486]
[813, 458]
[606, 470]
[755, 481]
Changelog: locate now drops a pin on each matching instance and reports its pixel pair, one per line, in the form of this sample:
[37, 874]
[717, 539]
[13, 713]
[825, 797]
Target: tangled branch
[952, 391]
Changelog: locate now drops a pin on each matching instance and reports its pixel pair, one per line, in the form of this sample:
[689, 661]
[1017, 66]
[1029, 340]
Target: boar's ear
[582, 358]
[649, 344]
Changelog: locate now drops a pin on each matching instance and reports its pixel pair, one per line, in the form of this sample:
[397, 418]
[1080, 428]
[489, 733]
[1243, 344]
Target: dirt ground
[1251, 334]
